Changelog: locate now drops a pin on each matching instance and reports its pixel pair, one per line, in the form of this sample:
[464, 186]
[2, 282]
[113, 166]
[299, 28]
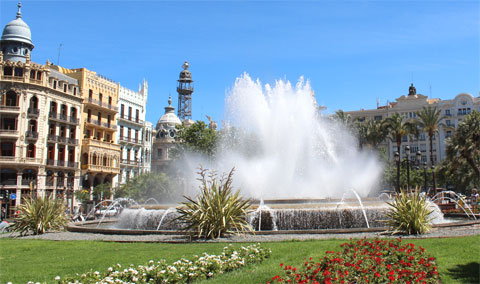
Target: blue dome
[17, 30]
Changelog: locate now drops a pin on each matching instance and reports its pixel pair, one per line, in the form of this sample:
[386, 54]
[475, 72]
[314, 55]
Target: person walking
[474, 198]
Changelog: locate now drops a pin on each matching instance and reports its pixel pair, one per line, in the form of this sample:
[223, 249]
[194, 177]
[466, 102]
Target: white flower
[57, 278]
[110, 269]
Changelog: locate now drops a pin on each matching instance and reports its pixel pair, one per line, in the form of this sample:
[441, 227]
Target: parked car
[106, 211]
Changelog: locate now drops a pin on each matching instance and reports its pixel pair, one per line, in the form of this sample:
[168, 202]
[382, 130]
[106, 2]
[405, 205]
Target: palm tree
[371, 133]
[429, 120]
[343, 118]
[397, 127]
[464, 145]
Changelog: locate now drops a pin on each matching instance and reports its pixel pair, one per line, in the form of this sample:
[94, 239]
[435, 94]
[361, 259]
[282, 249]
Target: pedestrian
[474, 198]
[4, 213]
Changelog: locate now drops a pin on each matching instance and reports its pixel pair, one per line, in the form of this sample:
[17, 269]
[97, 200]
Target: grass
[21, 261]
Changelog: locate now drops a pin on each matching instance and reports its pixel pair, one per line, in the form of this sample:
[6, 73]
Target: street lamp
[407, 152]
[425, 175]
[433, 180]
[397, 159]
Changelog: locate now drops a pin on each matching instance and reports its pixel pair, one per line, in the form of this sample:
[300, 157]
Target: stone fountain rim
[79, 227]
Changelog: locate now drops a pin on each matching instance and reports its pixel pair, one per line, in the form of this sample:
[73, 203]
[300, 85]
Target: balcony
[72, 141]
[8, 182]
[13, 78]
[130, 140]
[8, 133]
[130, 162]
[131, 120]
[107, 125]
[63, 118]
[10, 109]
[61, 163]
[33, 112]
[31, 135]
[102, 104]
[103, 169]
[102, 144]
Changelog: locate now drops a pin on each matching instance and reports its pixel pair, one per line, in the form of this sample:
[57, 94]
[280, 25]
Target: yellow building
[100, 154]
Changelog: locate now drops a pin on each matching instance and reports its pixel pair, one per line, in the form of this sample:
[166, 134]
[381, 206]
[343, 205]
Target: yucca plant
[409, 213]
[39, 215]
[217, 209]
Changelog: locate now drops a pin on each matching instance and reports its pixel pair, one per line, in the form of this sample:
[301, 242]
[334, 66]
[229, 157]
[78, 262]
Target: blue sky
[353, 52]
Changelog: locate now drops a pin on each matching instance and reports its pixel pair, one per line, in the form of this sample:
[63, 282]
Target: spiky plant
[39, 215]
[217, 209]
[409, 213]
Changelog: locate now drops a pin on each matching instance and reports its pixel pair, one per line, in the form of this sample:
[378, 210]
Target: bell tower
[16, 42]
[185, 90]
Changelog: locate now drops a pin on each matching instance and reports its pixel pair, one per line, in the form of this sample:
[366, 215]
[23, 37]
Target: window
[7, 71]
[129, 113]
[121, 132]
[18, 72]
[53, 107]
[32, 125]
[72, 132]
[129, 133]
[137, 115]
[34, 103]
[122, 110]
[100, 97]
[8, 149]
[108, 120]
[54, 84]
[448, 122]
[74, 91]
[109, 100]
[90, 95]
[447, 112]
[423, 148]
[89, 115]
[9, 123]
[65, 87]
[448, 134]
[63, 110]
[422, 137]
[31, 151]
[61, 153]
[107, 138]
[63, 131]
[377, 117]
[11, 99]
[52, 130]
[39, 75]
[159, 153]
[405, 138]
[99, 118]
[136, 135]
[73, 112]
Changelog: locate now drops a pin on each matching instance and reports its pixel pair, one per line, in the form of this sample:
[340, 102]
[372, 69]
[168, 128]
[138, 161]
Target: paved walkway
[63, 236]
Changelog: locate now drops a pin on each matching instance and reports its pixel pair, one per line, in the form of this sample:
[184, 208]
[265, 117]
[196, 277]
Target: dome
[185, 74]
[17, 30]
[169, 118]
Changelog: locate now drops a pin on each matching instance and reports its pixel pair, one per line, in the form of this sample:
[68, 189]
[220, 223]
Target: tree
[344, 119]
[150, 185]
[197, 138]
[396, 128]
[429, 120]
[371, 133]
[464, 146]
[102, 191]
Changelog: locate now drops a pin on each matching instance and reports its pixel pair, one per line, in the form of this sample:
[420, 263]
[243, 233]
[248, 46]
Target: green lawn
[21, 261]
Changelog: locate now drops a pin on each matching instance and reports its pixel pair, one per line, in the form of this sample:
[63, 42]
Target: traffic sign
[13, 196]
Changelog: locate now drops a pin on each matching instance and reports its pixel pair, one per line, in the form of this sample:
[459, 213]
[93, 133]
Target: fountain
[295, 162]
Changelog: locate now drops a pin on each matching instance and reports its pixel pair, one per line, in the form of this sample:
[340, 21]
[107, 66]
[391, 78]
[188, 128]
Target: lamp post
[425, 175]
[433, 180]
[407, 152]
[397, 159]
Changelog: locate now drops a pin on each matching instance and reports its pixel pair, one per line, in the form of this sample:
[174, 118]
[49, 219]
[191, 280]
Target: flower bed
[366, 261]
[181, 271]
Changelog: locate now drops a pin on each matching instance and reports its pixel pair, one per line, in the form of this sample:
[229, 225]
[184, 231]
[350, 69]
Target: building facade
[134, 133]
[164, 138]
[453, 111]
[100, 154]
[39, 123]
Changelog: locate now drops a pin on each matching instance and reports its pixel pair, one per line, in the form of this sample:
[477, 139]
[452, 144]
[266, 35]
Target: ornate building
[134, 133]
[407, 105]
[100, 158]
[39, 123]
[165, 132]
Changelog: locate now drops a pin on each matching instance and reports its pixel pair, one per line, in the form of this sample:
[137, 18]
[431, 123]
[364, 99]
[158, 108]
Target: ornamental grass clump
[366, 261]
[39, 215]
[217, 210]
[409, 213]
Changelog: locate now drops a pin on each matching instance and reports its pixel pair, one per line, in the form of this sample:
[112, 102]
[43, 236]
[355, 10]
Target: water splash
[282, 147]
[169, 210]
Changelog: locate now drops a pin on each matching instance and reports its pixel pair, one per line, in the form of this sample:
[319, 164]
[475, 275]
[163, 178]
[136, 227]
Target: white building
[134, 133]
[453, 110]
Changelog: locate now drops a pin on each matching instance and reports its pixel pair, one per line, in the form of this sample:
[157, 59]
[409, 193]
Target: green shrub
[409, 213]
[39, 215]
[217, 210]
